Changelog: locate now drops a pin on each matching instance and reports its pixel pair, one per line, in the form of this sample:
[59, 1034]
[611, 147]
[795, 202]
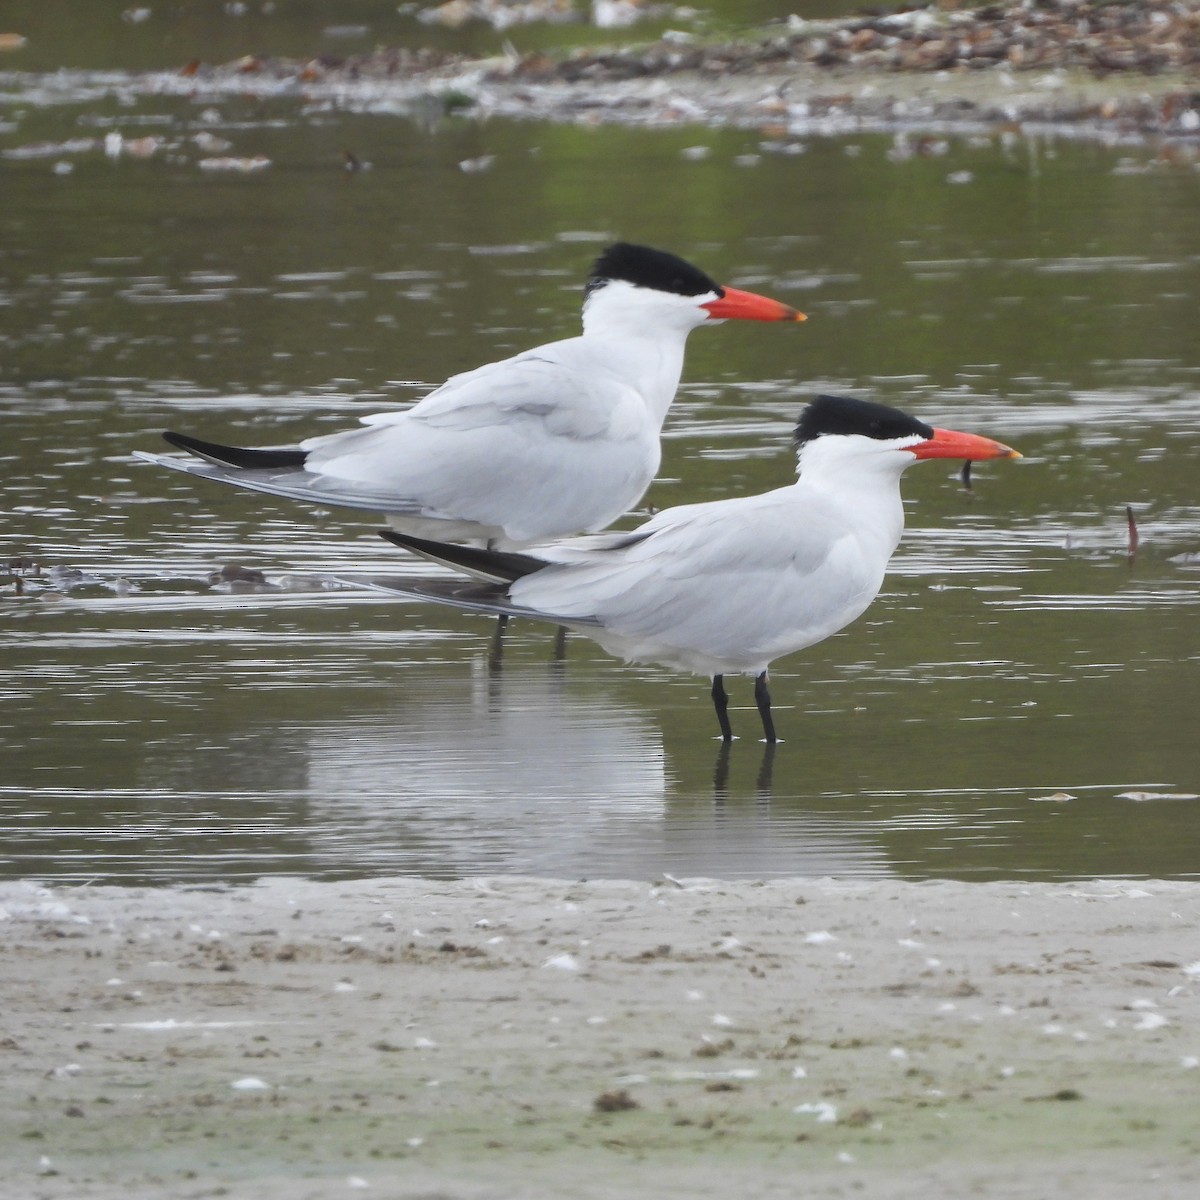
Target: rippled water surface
[156, 725]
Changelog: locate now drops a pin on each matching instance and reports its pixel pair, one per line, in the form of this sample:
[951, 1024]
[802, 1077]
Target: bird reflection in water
[763, 783]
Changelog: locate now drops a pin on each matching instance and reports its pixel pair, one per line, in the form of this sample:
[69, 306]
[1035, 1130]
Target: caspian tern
[557, 440]
[730, 585]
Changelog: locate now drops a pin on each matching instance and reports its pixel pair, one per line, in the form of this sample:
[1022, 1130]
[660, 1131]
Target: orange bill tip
[736, 305]
[950, 443]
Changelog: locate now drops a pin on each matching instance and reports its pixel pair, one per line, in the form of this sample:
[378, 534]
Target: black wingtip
[499, 565]
[236, 456]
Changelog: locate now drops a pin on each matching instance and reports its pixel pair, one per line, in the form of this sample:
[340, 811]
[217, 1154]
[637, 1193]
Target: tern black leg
[720, 699]
[496, 653]
[763, 699]
[560, 643]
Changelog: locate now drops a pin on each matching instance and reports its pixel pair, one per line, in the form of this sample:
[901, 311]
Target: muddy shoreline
[1065, 67]
[548, 1038]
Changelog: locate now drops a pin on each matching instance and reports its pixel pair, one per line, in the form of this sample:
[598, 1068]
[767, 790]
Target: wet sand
[538, 1038]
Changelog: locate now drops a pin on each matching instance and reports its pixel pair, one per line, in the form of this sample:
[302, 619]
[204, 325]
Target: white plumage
[561, 439]
[731, 585]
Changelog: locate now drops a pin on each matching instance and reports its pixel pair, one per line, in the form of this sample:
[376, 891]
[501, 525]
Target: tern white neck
[640, 335]
[864, 474]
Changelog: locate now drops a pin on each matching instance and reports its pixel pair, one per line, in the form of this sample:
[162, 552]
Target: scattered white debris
[1143, 796]
[735, 1073]
[695, 153]
[242, 166]
[1189, 1062]
[563, 962]
[476, 166]
[959, 177]
[50, 149]
[825, 1112]
[1053, 798]
[343, 986]
[170, 1023]
[209, 143]
[615, 14]
[1151, 1020]
[721, 1020]
[819, 938]
[898, 1053]
[424, 1043]
[250, 1084]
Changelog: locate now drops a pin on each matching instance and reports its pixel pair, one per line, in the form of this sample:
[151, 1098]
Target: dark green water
[1044, 293]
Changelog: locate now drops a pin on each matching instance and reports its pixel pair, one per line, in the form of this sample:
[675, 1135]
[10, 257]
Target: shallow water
[156, 726]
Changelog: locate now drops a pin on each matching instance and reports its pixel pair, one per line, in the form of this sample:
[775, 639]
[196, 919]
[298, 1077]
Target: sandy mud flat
[516, 1037]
